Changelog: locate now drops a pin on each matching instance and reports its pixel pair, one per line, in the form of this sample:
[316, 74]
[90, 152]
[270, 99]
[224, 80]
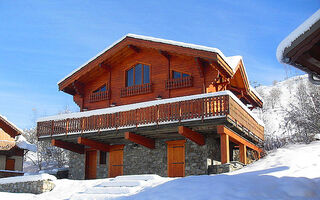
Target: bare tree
[274, 97]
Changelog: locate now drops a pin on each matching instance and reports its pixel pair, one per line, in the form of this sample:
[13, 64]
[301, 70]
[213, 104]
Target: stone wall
[35, 187]
[138, 159]
[76, 166]
[102, 169]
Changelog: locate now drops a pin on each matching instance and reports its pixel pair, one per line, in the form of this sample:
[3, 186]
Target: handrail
[182, 82]
[99, 96]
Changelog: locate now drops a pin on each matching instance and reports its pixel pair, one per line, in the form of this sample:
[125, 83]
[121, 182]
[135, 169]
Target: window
[103, 157]
[179, 74]
[101, 89]
[138, 75]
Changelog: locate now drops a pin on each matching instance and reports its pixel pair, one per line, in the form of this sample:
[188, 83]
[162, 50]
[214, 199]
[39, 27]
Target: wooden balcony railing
[136, 90]
[99, 96]
[201, 107]
[179, 82]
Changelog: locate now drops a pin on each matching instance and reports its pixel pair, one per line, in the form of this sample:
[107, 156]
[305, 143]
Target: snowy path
[290, 173]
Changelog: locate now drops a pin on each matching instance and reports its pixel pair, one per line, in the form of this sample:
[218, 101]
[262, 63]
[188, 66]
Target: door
[176, 158]
[10, 164]
[91, 164]
[116, 160]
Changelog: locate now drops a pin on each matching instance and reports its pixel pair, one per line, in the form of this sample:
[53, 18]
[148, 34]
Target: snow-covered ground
[289, 173]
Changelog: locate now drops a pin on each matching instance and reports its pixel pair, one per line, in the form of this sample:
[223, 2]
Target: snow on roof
[147, 104]
[304, 27]
[12, 124]
[20, 179]
[233, 62]
[153, 39]
[22, 143]
[256, 93]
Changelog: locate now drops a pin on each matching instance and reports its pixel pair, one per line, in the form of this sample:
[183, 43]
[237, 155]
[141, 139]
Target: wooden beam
[165, 54]
[105, 66]
[134, 48]
[94, 144]
[78, 87]
[224, 130]
[68, 145]
[200, 66]
[243, 153]
[144, 141]
[224, 145]
[191, 135]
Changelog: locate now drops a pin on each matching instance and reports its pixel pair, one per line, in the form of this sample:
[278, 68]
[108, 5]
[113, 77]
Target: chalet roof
[9, 127]
[300, 41]
[232, 61]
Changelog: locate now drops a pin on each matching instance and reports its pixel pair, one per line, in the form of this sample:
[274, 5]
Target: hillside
[277, 101]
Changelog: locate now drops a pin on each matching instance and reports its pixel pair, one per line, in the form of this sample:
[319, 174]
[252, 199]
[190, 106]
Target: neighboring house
[301, 48]
[150, 105]
[12, 149]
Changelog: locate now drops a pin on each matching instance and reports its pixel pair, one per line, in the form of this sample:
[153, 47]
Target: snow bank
[304, 27]
[291, 173]
[19, 179]
[22, 143]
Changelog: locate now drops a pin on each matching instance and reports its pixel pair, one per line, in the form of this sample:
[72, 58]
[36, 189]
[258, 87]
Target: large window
[138, 75]
[179, 74]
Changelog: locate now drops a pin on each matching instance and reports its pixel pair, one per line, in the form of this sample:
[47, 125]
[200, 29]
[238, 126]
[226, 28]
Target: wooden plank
[115, 161]
[91, 164]
[94, 144]
[191, 135]
[144, 141]
[224, 130]
[68, 145]
[176, 158]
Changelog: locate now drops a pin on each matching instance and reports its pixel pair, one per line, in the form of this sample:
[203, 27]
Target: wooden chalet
[11, 155]
[150, 105]
[301, 48]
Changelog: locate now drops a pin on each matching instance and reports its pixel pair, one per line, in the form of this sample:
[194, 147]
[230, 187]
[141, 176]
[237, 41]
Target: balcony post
[243, 153]
[224, 143]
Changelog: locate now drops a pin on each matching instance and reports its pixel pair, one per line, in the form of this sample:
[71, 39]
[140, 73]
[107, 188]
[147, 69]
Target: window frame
[181, 74]
[99, 89]
[142, 74]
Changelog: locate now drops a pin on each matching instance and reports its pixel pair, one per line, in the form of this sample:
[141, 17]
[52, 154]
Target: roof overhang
[301, 48]
[9, 127]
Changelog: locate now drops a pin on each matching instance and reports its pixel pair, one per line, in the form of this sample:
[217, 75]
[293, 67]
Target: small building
[149, 105]
[301, 48]
[13, 146]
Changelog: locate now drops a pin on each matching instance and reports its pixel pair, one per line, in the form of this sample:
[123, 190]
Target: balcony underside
[160, 131]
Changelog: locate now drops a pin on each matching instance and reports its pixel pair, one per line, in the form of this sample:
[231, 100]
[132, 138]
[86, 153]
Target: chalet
[301, 48]
[149, 105]
[12, 149]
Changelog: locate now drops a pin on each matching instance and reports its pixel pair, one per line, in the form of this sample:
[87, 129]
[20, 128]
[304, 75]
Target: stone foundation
[225, 168]
[35, 187]
[76, 166]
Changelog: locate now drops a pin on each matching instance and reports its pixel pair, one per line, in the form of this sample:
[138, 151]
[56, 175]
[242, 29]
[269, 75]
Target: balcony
[222, 106]
[136, 90]
[175, 83]
[99, 96]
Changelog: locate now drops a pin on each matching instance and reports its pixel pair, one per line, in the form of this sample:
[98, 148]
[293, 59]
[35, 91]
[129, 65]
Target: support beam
[165, 54]
[79, 88]
[105, 66]
[224, 130]
[94, 144]
[200, 66]
[191, 135]
[68, 145]
[224, 144]
[144, 141]
[134, 48]
[243, 153]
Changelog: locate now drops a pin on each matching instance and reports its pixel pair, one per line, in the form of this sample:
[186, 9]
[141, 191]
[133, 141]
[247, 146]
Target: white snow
[231, 61]
[304, 27]
[148, 104]
[19, 179]
[22, 143]
[289, 173]
[12, 124]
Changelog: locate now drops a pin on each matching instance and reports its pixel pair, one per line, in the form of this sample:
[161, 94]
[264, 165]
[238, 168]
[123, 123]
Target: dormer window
[138, 75]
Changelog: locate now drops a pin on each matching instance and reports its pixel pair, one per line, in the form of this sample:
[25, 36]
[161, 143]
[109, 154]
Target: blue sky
[42, 41]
